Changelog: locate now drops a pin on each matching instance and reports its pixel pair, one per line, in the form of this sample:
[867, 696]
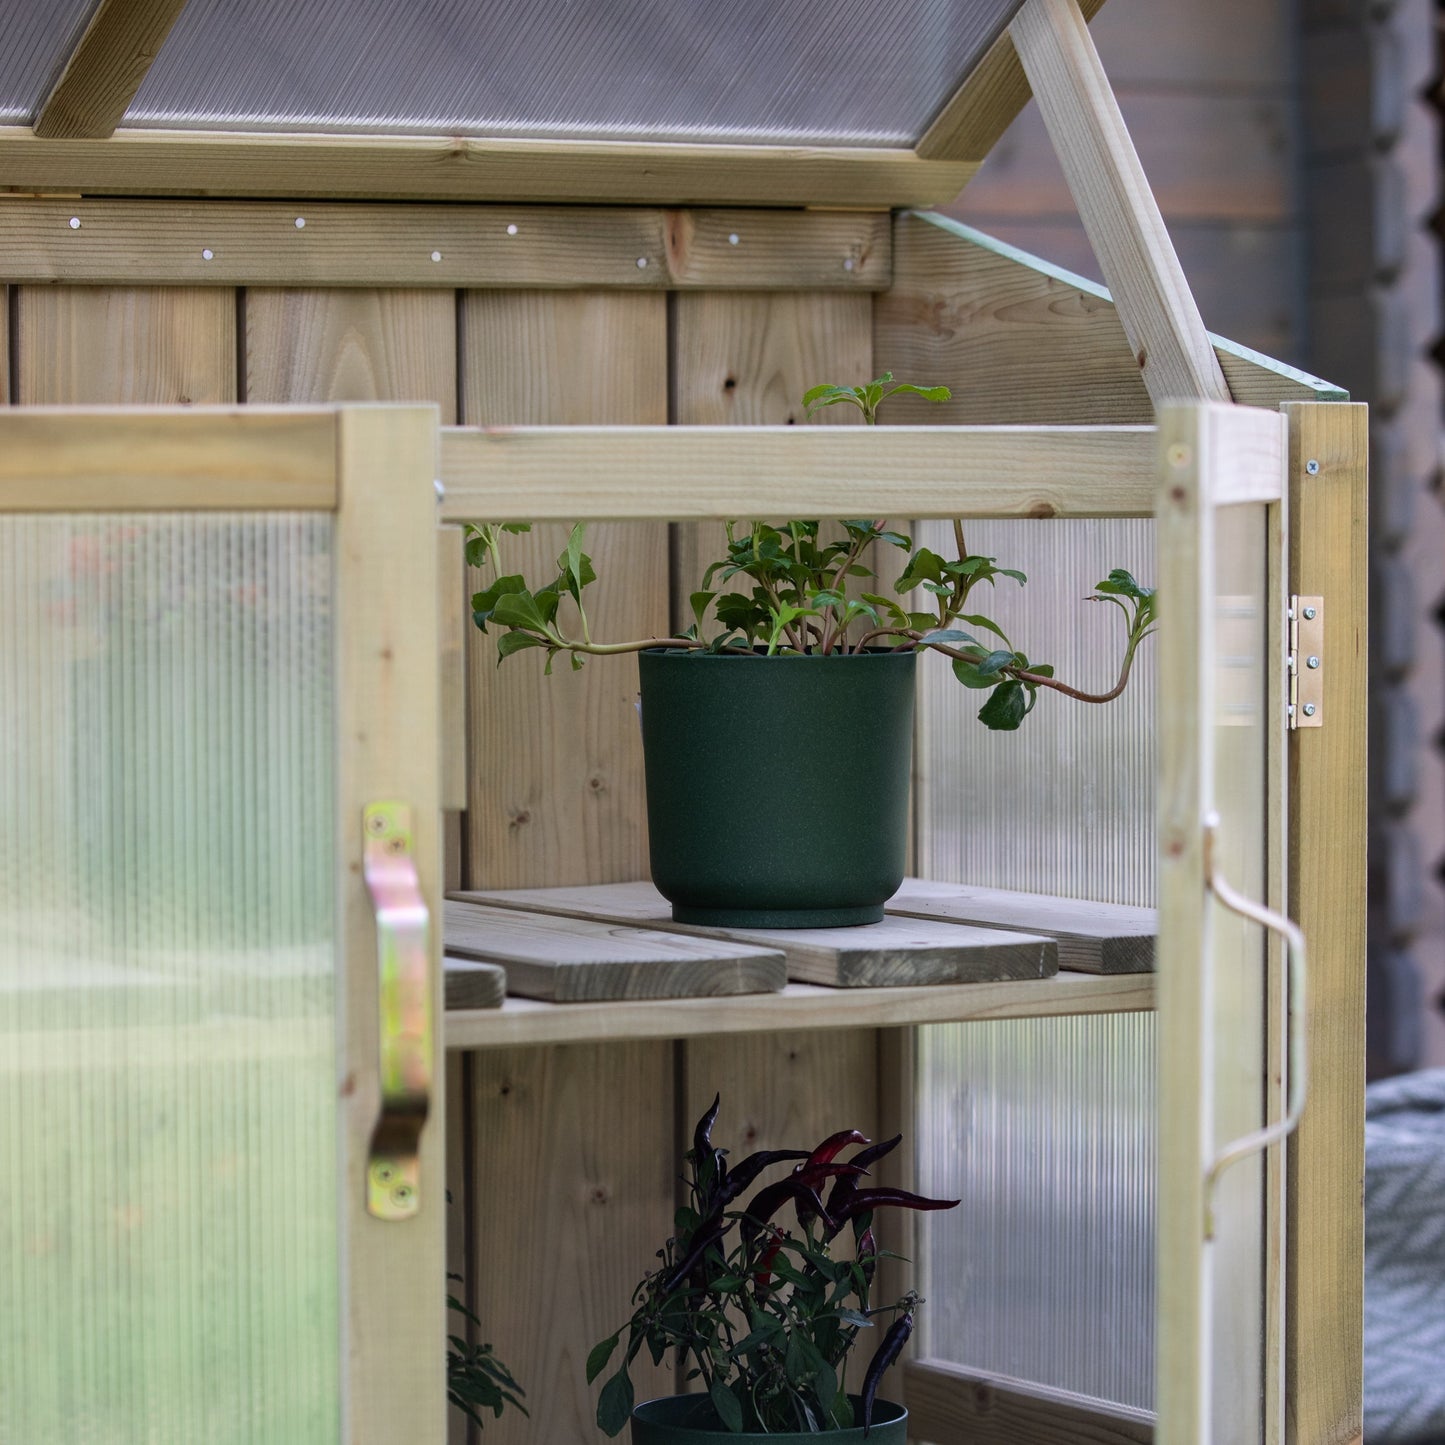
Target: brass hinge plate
[1306, 662]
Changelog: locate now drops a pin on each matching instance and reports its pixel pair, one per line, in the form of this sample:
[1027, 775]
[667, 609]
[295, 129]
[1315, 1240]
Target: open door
[219, 927]
[1230, 967]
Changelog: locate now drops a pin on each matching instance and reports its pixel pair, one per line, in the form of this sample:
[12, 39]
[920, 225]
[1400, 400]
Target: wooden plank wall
[551, 1239]
[1207, 95]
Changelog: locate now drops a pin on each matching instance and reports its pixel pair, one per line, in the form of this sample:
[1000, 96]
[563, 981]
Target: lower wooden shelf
[798, 1006]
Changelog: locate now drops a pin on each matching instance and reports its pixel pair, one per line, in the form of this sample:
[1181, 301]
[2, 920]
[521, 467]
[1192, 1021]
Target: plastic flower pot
[777, 787]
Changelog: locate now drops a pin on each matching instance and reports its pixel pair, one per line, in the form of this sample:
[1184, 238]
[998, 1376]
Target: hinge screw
[1309, 614]
[1309, 709]
[1312, 467]
[1312, 662]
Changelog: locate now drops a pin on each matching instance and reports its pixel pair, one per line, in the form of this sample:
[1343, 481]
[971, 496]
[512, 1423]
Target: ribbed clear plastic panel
[168, 1249]
[1045, 1129]
[832, 71]
[1066, 804]
[34, 42]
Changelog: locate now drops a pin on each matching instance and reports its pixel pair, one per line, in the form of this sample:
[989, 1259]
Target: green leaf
[995, 661]
[977, 619]
[511, 642]
[517, 529]
[946, 634]
[1018, 576]
[968, 674]
[574, 549]
[698, 602]
[519, 609]
[601, 1353]
[614, 1404]
[1006, 708]
[727, 1407]
[484, 603]
[928, 393]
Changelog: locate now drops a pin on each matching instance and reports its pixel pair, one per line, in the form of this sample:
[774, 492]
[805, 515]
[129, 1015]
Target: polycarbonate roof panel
[35, 40]
[830, 72]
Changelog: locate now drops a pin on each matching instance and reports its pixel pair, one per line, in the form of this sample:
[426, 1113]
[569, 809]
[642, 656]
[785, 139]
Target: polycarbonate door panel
[168, 965]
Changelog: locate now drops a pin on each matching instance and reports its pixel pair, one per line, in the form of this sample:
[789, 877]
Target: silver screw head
[207, 254]
[1309, 614]
[1312, 661]
[1310, 709]
[511, 228]
[1312, 467]
[300, 223]
[75, 223]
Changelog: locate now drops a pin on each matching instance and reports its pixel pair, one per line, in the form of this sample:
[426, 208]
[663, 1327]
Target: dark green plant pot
[777, 787]
[690, 1420]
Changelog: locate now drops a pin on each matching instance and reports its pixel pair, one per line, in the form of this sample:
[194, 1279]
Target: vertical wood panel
[4, 346]
[1327, 808]
[457, 1219]
[347, 345]
[745, 359]
[573, 1191]
[125, 345]
[555, 794]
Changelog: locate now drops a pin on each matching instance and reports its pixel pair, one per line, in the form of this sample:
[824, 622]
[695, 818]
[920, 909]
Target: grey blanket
[1405, 1260]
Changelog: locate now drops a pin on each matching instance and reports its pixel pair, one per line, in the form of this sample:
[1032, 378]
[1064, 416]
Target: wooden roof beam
[1119, 212]
[985, 104]
[106, 68]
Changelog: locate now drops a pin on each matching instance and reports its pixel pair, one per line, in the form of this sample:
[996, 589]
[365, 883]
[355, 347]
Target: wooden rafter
[106, 68]
[1119, 212]
[984, 105]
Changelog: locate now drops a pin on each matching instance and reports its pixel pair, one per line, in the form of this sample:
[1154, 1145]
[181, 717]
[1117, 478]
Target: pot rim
[833, 657]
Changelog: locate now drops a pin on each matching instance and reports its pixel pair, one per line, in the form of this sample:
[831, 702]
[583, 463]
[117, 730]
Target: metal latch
[1306, 662]
[404, 1024]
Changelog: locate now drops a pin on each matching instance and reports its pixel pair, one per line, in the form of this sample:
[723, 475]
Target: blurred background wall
[1294, 146]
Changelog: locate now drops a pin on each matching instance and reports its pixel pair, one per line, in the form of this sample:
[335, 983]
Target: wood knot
[1043, 510]
[730, 384]
[1141, 358]
[519, 817]
[597, 783]
[599, 1195]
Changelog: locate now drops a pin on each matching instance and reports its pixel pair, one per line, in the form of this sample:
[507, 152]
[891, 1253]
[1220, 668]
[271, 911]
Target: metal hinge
[1306, 662]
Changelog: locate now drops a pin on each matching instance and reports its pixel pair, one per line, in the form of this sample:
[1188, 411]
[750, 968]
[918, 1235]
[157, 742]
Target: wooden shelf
[798, 1006]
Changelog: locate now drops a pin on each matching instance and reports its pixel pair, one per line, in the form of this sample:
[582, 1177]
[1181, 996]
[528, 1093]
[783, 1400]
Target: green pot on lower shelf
[690, 1420]
[777, 787]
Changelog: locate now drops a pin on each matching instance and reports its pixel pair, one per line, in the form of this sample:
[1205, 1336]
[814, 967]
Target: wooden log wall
[562, 1162]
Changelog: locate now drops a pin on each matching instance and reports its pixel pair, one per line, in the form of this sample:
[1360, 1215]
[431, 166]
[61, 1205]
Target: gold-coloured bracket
[1306, 662]
[1298, 1060]
[404, 1016]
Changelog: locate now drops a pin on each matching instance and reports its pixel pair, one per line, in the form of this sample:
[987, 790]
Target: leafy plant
[765, 1316]
[476, 1379]
[785, 588]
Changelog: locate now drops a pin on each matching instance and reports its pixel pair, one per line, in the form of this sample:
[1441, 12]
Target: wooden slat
[457, 1110]
[62, 460]
[460, 168]
[951, 1405]
[104, 71]
[556, 782]
[566, 959]
[1186, 1121]
[344, 345]
[1023, 341]
[746, 360]
[5, 347]
[451, 610]
[728, 472]
[799, 1007]
[895, 951]
[1119, 212]
[314, 243]
[984, 106]
[471, 983]
[393, 1363]
[125, 346]
[1327, 894]
[572, 1187]
[1092, 937]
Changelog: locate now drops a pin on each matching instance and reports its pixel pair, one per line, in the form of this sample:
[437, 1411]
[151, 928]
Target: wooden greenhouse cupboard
[328, 313]
[371, 469]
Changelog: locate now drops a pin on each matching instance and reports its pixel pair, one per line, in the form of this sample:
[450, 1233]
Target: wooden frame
[637, 473]
[119, 241]
[374, 467]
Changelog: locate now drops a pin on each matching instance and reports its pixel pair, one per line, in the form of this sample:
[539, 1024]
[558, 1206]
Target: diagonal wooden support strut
[1117, 207]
